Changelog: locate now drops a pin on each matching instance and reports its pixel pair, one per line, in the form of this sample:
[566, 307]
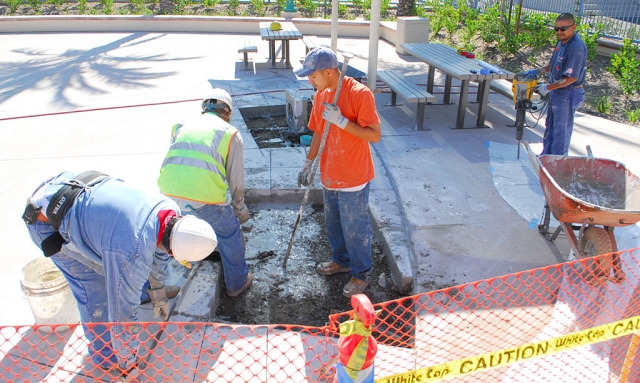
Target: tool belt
[58, 207]
[62, 201]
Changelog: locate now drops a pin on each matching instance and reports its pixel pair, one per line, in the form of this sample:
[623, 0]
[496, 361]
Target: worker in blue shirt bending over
[113, 243]
[567, 70]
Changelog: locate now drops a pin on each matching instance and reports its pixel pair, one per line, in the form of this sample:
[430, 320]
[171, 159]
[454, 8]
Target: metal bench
[245, 51]
[311, 42]
[409, 92]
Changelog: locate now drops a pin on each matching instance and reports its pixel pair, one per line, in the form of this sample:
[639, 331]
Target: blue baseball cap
[319, 58]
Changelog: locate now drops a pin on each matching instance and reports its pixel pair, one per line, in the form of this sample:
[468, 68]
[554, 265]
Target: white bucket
[49, 294]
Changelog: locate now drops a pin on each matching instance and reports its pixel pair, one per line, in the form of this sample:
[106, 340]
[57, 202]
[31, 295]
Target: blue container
[305, 140]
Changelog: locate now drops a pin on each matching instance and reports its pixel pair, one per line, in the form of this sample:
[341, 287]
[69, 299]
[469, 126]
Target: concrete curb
[389, 227]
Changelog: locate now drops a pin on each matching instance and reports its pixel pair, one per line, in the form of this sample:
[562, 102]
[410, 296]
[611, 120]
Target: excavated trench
[297, 294]
[272, 132]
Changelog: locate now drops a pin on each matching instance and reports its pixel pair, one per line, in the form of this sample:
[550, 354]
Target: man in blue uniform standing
[567, 70]
[109, 239]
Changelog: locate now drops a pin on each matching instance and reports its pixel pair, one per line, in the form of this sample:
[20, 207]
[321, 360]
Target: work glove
[303, 176]
[332, 114]
[531, 73]
[243, 214]
[543, 90]
[160, 302]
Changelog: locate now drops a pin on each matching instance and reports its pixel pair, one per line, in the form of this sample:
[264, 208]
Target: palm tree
[405, 7]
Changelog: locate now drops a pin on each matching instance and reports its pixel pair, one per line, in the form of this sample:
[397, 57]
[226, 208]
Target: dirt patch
[273, 132]
[297, 295]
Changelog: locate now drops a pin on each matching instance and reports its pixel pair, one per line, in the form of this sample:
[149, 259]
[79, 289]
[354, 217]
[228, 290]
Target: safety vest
[195, 166]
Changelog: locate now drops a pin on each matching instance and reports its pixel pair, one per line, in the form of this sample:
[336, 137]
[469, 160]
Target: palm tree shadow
[78, 69]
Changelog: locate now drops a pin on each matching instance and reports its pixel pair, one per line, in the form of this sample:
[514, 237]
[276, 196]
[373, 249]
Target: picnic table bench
[408, 91]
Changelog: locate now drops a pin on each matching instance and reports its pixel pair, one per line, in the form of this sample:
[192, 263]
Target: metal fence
[619, 18]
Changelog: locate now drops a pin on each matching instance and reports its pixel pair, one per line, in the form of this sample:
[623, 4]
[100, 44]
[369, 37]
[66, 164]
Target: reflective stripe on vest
[195, 166]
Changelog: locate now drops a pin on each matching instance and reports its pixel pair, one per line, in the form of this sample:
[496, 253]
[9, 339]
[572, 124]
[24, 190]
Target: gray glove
[332, 114]
[243, 214]
[160, 302]
[303, 176]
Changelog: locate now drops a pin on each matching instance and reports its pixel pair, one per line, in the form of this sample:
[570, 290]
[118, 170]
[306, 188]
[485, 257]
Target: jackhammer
[522, 88]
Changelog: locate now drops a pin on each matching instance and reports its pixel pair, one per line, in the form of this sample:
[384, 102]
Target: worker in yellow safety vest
[204, 164]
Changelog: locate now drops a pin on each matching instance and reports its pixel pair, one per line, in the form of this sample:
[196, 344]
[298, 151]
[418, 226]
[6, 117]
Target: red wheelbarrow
[589, 196]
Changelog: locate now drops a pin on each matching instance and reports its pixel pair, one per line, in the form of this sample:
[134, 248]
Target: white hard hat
[192, 239]
[216, 94]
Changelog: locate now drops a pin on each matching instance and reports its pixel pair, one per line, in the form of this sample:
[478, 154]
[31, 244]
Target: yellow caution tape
[513, 355]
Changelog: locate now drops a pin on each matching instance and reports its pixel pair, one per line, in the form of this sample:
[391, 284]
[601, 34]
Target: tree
[405, 7]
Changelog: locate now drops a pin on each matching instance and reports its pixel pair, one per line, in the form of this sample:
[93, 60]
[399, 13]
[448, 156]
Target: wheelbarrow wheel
[595, 241]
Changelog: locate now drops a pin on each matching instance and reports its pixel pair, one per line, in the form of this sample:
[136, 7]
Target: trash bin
[411, 29]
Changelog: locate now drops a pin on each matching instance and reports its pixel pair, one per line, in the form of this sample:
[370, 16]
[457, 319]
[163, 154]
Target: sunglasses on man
[563, 29]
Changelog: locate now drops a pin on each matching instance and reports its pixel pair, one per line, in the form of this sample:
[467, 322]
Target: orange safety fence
[550, 324]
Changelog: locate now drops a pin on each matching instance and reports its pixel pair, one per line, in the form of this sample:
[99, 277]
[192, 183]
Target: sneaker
[330, 268]
[132, 370]
[170, 291]
[355, 286]
[246, 285]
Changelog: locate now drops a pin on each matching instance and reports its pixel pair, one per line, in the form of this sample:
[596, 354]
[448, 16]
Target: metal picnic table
[453, 65]
[288, 32]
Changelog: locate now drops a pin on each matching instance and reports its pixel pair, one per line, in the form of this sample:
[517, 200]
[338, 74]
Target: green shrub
[624, 66]
[511, 42]
[535, 29]
[258, 6]
[491, 25]
[35, 5]
[82, 6]
[470, 27]
[56, 3]
[107, 6]
[308, 7]
[13, 5]
[210, 3]
[139, 6]
[282, 4]
[450, 17]
[343, 11]
[234, 4]
[633, 115]
[603, 104]
[590, 38]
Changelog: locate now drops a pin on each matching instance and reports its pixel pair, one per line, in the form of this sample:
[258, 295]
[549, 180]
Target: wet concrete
[297, 295]
[273, 132]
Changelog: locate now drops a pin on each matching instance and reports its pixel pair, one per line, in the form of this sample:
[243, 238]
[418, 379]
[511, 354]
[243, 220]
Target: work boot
[330, 268]
[170, 291]
[246, 285]
[355, 286]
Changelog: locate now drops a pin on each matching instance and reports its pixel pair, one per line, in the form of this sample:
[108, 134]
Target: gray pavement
[434, 199]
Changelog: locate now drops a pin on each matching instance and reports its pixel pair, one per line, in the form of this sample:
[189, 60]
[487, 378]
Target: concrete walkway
[434, 198]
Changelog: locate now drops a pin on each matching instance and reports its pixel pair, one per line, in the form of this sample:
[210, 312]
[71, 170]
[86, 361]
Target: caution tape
[513, 355]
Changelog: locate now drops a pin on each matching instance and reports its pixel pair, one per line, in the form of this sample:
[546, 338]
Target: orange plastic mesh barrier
[549, 324]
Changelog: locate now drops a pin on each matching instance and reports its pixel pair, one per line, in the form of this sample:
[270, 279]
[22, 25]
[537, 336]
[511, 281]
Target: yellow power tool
[522, 88]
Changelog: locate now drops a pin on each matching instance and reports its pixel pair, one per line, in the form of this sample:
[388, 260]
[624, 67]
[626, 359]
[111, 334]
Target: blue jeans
[563, 104]
[227, 227]
[346, 217]
[88, 288]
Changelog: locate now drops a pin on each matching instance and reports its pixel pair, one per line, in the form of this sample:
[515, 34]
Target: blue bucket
[305, 140]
